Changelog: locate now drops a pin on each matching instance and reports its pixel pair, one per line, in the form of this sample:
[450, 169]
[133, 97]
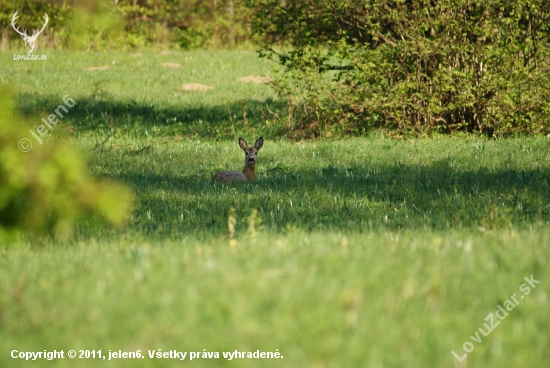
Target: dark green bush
[417, 66]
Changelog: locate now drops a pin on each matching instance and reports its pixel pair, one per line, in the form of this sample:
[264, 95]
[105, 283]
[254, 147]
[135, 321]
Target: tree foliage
[127, 24]
[421, 66]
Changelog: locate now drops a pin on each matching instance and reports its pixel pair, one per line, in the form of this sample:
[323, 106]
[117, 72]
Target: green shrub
[45, 190]
[417, 66]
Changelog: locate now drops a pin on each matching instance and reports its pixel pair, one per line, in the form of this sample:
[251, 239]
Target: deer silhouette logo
[29, 40]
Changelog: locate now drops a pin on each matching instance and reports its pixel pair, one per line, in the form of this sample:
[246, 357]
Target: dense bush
[185, 24]
[421, 66]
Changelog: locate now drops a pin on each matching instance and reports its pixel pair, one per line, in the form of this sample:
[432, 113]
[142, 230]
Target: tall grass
[363, 252]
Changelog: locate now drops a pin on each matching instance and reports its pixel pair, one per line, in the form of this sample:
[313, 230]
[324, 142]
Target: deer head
[251, 154]
[29, 40]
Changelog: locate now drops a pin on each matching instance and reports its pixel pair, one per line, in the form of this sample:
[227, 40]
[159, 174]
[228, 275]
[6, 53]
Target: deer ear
[259, 143]
[243, 144]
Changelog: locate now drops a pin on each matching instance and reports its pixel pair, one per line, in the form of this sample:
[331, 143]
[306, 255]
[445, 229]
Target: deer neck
[249, 171]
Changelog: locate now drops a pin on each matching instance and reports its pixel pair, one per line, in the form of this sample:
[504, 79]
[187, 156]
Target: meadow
[355, 252]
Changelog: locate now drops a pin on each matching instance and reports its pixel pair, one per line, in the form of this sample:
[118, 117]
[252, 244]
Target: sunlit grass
[360, 252]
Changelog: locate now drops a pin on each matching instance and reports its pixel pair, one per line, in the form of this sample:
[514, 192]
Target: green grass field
[358, 252]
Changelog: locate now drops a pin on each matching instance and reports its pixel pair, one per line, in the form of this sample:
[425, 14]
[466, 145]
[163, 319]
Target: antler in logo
[29, 40]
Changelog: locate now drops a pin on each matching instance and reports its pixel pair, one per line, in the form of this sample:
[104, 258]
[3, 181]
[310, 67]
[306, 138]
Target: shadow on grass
[359, 198]
[96, 114]
[344, 199]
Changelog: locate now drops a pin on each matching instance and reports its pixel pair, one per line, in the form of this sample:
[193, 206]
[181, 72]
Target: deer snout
[251, 160]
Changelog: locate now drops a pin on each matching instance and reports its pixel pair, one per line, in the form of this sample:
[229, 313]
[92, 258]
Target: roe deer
[250, 158]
